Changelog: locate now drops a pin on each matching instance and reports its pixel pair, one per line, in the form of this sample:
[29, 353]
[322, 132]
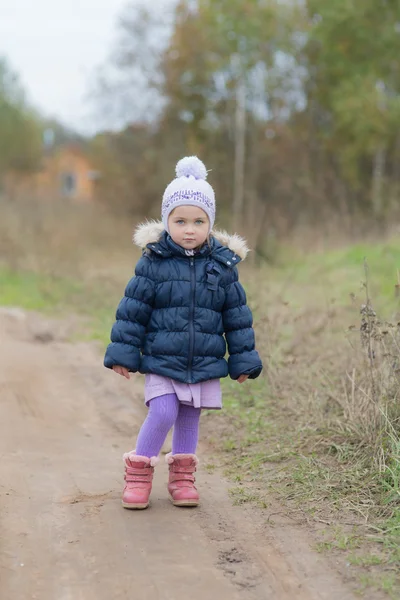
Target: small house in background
[65, 173]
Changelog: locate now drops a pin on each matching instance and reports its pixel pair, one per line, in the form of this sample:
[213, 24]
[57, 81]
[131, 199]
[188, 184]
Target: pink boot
[181, 479]
[138, 477]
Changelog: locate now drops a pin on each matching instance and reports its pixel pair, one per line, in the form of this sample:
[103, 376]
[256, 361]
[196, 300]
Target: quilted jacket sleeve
[133, 314]
[239, 333]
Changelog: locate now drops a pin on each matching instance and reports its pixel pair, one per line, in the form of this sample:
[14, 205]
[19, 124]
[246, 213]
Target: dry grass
[322, 430]
[64, 239]
[65, 257]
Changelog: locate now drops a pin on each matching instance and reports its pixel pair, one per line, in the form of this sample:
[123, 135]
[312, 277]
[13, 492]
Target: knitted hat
[190, 188]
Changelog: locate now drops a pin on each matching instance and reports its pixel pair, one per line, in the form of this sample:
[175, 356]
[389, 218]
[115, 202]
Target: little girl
[183, 306]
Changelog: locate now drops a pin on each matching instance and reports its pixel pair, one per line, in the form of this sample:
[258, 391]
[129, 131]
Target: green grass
[383, 264]
[36, 292]
[337, 275]
[62, 296]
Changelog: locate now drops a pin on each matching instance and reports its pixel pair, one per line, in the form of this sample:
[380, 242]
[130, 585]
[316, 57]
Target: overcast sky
[55, 46]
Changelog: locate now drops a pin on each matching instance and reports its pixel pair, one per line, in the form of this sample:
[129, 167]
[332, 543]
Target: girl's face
[188, 226]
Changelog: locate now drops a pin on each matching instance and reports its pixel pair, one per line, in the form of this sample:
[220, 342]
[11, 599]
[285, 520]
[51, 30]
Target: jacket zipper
[191, 318]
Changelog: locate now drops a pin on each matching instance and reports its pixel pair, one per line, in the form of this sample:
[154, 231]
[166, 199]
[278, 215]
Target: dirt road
[64, 423]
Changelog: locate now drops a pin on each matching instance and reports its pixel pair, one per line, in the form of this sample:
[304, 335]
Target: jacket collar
[227, 249]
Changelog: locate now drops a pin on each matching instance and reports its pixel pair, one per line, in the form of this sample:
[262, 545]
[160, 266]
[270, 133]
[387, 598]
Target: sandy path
[64, 423]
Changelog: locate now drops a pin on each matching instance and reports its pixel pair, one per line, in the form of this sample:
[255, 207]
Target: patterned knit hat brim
[190, 188]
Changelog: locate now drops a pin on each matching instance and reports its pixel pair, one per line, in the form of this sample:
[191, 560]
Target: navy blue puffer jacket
[179, 312]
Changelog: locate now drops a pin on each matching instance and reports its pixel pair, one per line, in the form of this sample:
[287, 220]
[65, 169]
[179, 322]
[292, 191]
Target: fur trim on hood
[151, 232]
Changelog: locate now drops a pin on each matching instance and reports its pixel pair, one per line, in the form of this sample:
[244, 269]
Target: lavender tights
[164, 412]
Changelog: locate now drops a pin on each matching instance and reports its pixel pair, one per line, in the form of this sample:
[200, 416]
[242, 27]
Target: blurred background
[294, 105]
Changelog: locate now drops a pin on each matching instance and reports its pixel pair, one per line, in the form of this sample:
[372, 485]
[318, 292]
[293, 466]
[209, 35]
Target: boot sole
[135, 506]
[184, 502]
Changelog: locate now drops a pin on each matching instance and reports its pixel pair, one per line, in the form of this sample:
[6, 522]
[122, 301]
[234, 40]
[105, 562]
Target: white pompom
[191, 165]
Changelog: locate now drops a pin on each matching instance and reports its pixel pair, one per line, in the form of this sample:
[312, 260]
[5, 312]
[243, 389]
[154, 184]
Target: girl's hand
[242, 378]
[121, 371]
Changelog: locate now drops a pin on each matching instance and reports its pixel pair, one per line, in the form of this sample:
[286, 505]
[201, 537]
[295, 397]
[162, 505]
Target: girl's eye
[199, 222]
[180, 221]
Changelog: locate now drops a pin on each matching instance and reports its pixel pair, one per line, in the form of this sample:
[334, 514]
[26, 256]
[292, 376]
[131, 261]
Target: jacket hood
[151, 232]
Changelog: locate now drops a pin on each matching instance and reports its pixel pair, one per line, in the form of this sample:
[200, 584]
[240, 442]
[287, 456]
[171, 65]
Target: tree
[354, 80]
[20, 130]
[293, 103]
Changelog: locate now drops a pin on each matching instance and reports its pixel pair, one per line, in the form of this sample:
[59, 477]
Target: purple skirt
[206, 394]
